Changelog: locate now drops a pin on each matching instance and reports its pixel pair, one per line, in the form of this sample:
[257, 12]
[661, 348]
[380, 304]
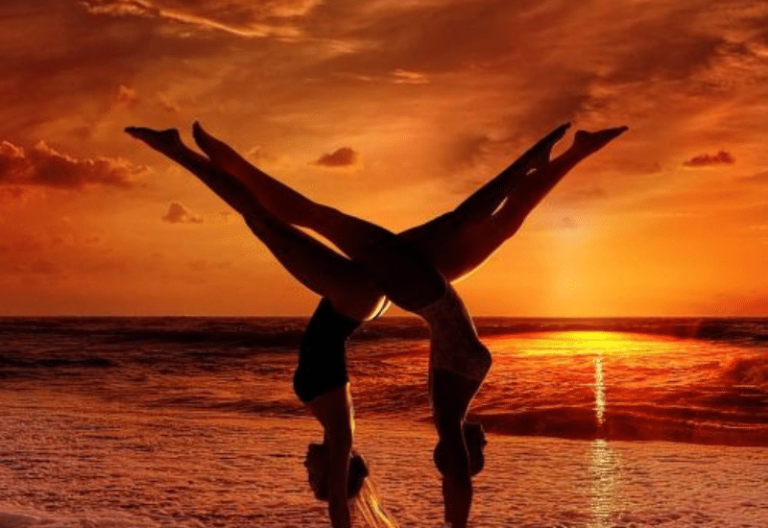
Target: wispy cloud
[126, 96]
[240, 18]
[409, 77]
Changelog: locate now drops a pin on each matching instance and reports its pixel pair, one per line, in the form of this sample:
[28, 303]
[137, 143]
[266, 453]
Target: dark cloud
[178, 214]
[45, 167]
[708, 160]
[342, 157]
[469, 150]
[241, 18]
[47, 65]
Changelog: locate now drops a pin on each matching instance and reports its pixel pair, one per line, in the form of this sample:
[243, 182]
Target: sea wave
[747, 371]
[707, 384]
[267, 332]
[665, 425]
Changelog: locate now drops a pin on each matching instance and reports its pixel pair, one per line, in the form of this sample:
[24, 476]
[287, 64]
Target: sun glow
[576, 343]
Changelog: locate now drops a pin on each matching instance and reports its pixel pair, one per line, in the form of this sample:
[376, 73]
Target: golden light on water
[582, 342]
[604, 461]
[604, 469]
[609, 343]
[599, 391]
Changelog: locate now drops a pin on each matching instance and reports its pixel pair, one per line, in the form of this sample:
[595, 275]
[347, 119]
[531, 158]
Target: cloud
[241, 18]
[567, 222]
[168, 105]
[261, 157]
[342, 157]
[126, 96]
[409, 77]
[585, 195]
[471, 150]
[45, 167]
[178, 214]
[707, 160]
[16, 195]
[761, 177]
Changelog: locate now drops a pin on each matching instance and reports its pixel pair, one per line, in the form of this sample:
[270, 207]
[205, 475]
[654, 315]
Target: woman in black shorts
[405, 269]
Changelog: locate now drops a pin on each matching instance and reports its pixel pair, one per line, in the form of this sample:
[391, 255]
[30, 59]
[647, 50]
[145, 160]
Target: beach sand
[109, 466]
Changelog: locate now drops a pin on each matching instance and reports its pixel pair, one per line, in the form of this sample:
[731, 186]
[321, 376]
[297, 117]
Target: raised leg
[406, 277]
[349, 286]
[434, 236]
[459, 251]
[532, 191]
[277, 197]
[168, 142]
[455, 243]
[483, 202]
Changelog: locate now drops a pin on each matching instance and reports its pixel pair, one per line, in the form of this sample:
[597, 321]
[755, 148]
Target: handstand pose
[405, 269]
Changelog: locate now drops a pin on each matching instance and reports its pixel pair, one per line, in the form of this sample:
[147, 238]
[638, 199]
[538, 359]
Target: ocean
[192, 422]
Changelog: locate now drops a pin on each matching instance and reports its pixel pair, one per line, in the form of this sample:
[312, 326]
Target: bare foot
[539, 154]
[205, 141]
[587, 143]
[165, 141]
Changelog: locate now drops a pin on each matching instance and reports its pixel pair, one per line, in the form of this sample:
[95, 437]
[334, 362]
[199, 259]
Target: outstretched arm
[333, 410]
[451, 396]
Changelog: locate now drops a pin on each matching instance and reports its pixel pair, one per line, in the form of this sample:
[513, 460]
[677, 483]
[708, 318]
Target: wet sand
[79, 466]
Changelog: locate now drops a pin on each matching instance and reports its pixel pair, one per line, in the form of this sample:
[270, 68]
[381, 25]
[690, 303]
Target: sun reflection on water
[604, 462]
[599, 392]
[577, 343]
[604, 469]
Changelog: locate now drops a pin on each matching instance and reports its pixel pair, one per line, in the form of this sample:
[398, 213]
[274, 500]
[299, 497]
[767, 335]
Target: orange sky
[430, 98]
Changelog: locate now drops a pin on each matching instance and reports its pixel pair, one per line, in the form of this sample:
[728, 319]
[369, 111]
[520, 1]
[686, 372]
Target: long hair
[370, 509]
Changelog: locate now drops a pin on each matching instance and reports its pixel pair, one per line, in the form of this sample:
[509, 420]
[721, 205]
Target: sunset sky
[393, 111]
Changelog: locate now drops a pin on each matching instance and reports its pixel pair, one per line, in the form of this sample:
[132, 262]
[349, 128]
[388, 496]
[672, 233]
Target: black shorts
[322, 355]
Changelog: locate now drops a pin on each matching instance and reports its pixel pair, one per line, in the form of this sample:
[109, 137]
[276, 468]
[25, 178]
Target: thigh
[353, 290]
[454, 250]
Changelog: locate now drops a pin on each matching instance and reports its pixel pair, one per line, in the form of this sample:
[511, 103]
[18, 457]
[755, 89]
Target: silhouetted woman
[406, 269]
